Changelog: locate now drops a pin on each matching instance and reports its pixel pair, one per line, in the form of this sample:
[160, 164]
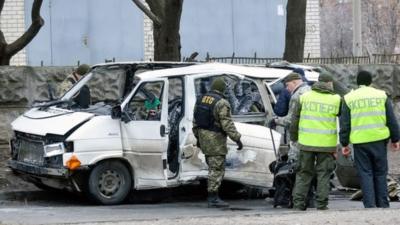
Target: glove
[239, 144]
[272, 122]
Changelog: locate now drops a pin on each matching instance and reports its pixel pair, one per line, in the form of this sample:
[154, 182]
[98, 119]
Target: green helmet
[218, 84]
[82, 69]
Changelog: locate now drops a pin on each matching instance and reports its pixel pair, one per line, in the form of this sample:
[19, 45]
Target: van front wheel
[109, 183]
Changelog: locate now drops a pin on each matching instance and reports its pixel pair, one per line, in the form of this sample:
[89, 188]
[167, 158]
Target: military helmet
[82, 69]
[218, 84]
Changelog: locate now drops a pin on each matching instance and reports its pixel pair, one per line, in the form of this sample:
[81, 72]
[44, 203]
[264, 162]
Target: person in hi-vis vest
[368, 122]
[314, 127]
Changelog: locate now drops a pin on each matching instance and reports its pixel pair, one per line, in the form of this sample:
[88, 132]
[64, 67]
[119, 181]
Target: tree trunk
[167, 41]
[4, 58]
[295, 30]
[9, 50]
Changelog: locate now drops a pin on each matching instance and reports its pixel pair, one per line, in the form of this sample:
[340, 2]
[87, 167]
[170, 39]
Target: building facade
[75, 33]
[12, 23]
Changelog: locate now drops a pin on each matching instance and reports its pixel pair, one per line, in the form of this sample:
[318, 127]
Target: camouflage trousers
[216, 172]
[310, 163]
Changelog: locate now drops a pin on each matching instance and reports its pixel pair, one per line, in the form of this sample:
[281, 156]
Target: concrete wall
[20, 86]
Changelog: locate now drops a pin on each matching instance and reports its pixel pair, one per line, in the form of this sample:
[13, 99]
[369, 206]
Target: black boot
[215, 201]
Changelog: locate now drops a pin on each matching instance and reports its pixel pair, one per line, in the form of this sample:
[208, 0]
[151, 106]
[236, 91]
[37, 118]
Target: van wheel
[109, 183]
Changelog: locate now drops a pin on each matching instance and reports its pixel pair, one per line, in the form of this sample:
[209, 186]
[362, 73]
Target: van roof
[253, 72]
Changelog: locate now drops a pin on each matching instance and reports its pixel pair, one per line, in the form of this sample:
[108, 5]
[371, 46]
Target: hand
[346, 151]
[239, 144]
[272, 123]
[395, 146]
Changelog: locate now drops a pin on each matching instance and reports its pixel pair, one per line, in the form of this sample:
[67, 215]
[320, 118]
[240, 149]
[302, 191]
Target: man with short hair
[212, 124]
[368, 122]
[295, 85]
[281, 107]
[314, 127]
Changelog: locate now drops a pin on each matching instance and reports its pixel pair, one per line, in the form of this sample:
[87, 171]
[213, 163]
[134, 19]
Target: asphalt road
[60, 208]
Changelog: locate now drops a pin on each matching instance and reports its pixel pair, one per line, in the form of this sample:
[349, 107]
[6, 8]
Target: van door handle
[163, 130]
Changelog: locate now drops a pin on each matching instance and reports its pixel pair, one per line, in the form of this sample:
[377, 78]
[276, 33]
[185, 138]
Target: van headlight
[54, 149]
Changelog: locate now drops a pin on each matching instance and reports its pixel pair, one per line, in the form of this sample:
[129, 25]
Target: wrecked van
[117, 144]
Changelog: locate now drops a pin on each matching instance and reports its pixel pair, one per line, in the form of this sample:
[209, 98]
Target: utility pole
[357, 40]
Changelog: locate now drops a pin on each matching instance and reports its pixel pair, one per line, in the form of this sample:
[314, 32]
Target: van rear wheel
[109, 183]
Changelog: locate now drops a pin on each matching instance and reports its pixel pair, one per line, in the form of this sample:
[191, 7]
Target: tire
[109, 183]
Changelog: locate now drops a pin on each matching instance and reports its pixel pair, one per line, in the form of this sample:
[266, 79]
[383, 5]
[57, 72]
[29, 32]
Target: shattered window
[106, 85]
[242, 94]
[146, 103]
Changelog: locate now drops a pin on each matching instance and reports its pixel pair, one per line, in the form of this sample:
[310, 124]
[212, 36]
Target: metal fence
[374, 59]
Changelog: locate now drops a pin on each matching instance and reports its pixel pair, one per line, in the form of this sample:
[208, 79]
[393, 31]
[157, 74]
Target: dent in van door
[247, 166]
[144, 144]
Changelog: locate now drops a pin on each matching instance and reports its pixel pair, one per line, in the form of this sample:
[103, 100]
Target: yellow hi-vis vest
[318, 125]
[368, 115]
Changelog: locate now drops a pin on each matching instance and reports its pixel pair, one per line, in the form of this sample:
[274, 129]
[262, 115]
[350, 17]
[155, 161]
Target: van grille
[29, 149]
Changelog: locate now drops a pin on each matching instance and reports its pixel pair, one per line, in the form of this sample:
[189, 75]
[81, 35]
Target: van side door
[144, 128]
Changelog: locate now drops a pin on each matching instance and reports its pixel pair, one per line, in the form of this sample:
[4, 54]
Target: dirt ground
[8, 181]
[354, 217]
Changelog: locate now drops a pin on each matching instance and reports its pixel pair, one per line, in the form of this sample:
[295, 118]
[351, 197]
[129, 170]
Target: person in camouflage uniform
[314, 127]
[212, 124]
[72, 79]
[296, 86]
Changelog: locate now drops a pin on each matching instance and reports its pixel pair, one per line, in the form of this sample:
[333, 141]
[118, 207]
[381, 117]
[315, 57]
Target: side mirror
[116, 112]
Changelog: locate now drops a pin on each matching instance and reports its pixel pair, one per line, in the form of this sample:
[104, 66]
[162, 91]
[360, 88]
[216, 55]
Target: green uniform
[213, 143]
[67, 84]
[314, 126]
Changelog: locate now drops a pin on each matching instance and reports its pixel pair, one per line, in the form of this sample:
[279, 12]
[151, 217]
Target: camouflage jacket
[286, 120]
[214, 143]
[67, 84]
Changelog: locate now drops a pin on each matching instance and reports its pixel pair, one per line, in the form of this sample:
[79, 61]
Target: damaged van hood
[49, 121]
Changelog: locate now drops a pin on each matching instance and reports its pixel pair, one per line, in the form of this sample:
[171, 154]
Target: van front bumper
[26, 168]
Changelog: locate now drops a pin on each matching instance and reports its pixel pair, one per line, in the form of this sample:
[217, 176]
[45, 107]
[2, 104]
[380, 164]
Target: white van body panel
[97, 139]
[53, 121]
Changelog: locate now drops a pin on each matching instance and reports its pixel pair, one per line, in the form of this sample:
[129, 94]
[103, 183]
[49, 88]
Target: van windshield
[102, 85]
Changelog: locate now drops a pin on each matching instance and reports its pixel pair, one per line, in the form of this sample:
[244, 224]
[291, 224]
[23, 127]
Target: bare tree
[382, 25]
[9, 50]
[166, 17]
[295, 30]
[336, 28]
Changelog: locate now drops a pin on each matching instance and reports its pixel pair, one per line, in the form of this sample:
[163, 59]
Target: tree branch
[1, 5]
[156, 20]
[37, 23]
[2, 38]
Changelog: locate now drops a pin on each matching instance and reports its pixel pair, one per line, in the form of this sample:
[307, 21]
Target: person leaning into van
[368, 122]
[295, 85]
[314, 127]
[73, 78]
[82, 98]
[212, 124]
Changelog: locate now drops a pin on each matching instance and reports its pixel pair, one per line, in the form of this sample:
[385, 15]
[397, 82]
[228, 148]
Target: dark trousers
[372, 166]
[320, 164]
